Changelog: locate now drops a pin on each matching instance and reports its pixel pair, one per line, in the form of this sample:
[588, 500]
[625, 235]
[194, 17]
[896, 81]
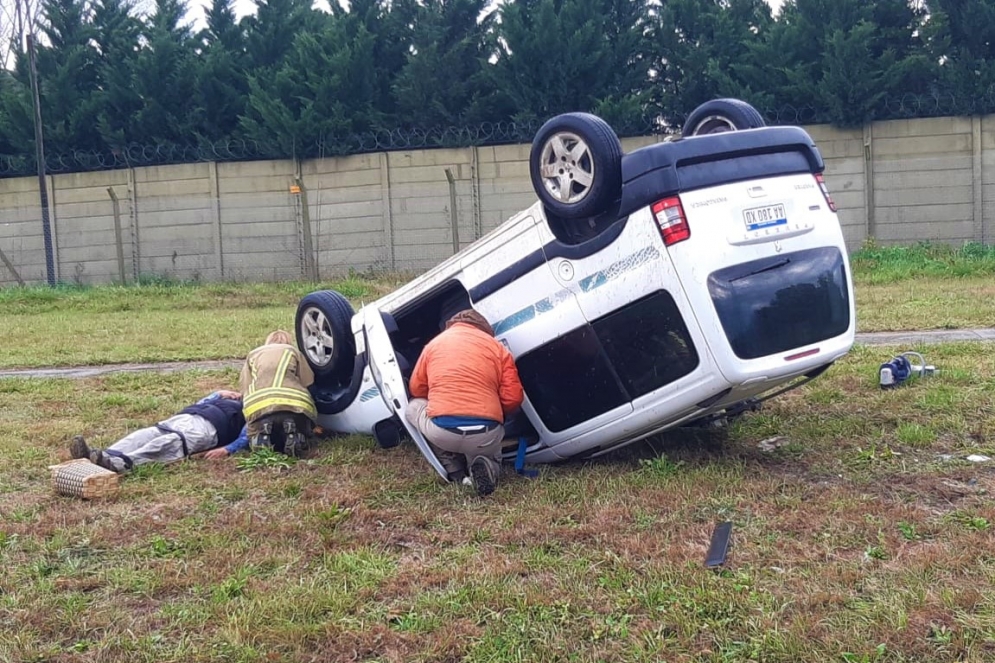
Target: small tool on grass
[719, 546]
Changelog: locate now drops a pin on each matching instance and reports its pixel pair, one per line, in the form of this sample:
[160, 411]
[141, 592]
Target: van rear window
[779, 303]
[617, 358]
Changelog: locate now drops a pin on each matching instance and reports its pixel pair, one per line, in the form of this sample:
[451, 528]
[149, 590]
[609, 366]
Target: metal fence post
[453, 218]
[307, 245]
[118, 234]
[10, 268]
[40, 158]
[977, 179]
[871, 224]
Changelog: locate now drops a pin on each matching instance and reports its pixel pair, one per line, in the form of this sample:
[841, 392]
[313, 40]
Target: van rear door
[766, 270]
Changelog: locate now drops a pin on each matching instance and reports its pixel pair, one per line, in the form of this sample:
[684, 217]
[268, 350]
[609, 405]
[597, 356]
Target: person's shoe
[293, 442]
[484, 474]
[458, 476]
[98, 457]
[264, 438]
[78, 448]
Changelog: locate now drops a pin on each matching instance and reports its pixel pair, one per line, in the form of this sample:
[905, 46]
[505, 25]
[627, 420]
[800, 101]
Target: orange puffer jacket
[466, 372]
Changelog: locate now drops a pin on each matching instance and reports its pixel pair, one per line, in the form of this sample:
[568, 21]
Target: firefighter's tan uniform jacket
[275, 378]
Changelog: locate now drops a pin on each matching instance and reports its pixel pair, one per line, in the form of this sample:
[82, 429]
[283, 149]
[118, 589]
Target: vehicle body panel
[658, 319]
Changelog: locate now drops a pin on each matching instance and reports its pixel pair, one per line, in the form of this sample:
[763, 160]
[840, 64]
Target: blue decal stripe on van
[587, 284]
[522, 316]
[372, 392]
[627, 264]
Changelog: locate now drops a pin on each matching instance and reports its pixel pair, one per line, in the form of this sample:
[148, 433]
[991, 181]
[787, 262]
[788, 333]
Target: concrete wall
[899, 182]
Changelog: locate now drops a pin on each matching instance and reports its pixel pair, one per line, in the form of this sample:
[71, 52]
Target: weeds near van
[865, 536]
[260, 459]
[874, 263]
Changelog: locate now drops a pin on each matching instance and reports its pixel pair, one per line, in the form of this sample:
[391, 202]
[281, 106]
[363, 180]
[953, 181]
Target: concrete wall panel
[931, 180]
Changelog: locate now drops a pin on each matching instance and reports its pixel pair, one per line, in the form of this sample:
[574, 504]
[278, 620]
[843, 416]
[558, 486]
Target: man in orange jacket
[463, 386]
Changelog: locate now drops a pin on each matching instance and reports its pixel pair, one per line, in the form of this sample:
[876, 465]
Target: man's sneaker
[78, 448]
[484, 473]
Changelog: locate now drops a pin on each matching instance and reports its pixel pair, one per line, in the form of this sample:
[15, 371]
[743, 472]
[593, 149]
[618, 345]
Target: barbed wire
[409, 138]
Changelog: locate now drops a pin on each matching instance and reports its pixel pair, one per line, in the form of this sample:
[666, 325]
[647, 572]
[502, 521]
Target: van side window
[617, 358]
[648, 343]
[570, 380]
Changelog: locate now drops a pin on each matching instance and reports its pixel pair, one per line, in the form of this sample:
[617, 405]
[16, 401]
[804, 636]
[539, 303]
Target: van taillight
[670, 217]
[825, 192]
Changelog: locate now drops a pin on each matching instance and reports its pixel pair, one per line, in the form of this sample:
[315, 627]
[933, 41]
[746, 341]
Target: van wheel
[576, 165]
[324, 333]
[721, 115]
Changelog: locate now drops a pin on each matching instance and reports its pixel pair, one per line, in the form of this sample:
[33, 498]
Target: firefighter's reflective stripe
[267, 397]
[276, 395]
[281, 370]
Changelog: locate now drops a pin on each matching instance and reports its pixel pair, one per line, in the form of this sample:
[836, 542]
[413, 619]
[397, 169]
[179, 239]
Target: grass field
[921, 287]
[863, 535]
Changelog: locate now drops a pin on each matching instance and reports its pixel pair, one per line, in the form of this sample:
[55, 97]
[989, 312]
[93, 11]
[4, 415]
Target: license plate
[767, 216]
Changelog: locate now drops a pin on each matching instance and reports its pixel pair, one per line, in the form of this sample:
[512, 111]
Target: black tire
[332, 396]
[721, 115]
[323, 315]
[600, 161]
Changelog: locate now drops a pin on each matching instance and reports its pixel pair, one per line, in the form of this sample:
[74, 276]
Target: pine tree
[164, 77]
[389, 24]
[960, 39]
[322, 96]
[221, 81]
[443, 81]
[844, 58]
[707, 49]
[117, 33]
[569, 55]
[67, 74]
[270, 33]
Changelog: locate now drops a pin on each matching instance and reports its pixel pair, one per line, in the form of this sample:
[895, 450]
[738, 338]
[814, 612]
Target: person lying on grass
[214, 424]
[279, 410]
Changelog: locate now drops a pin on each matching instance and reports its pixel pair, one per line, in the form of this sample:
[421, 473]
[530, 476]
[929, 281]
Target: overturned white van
[681, 282]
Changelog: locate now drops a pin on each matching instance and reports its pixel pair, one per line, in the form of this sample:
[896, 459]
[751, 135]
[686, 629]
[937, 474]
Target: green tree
[843, 58]
[270, 33]
[163, 77]
[67, 73]
[390, 24]
[707, 49]
[557, 56]
[324, 93]
[960, 39]
[443, 81]
[221, 80]
[117, 34]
